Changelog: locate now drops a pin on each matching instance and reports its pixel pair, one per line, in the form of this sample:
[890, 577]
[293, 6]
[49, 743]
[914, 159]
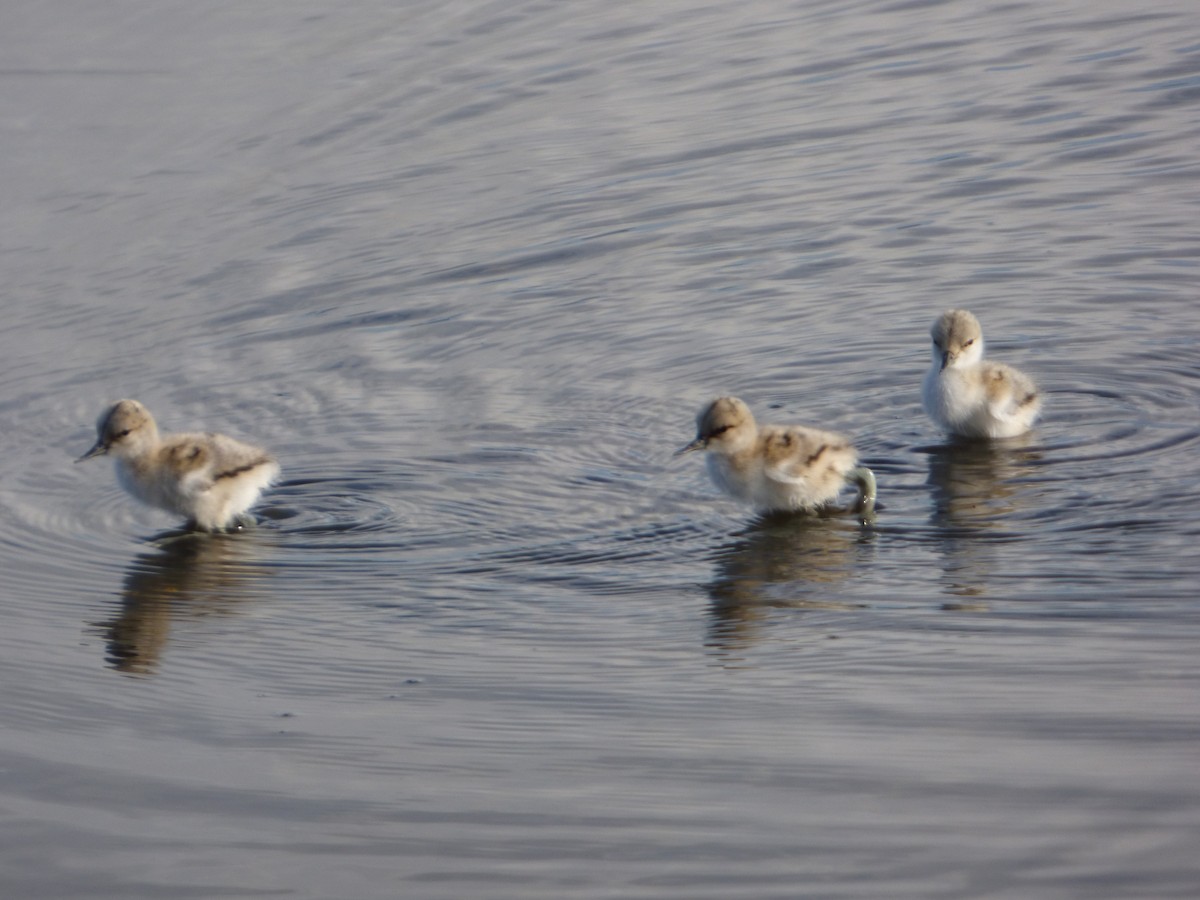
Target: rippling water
[469, 270]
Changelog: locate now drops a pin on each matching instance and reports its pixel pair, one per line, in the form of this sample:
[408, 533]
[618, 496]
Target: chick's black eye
[121, 434]
[719, 431]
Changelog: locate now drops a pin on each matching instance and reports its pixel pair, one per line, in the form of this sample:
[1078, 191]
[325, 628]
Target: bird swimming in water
[969, 396]
[210, 479]
[777, 468]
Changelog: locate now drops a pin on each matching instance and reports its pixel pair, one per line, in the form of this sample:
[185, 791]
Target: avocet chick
[968, 396]
[211, 479]
[777, 468]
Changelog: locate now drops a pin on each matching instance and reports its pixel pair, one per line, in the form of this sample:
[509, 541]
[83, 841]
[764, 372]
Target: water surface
[470, 270]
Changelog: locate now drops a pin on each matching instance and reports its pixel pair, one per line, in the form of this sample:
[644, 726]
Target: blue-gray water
[469, 269]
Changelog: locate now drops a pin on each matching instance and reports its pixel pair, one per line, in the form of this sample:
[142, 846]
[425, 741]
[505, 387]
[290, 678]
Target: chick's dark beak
[99, 449]
[698, 444]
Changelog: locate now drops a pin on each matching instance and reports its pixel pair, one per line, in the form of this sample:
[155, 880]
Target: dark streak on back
[233, 473]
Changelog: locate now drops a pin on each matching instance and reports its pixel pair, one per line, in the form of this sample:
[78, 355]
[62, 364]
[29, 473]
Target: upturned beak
[945, 360]
[698, 444]
[100, 449]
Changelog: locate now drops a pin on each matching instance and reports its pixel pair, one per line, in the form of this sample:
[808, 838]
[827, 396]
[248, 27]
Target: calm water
[470, 269]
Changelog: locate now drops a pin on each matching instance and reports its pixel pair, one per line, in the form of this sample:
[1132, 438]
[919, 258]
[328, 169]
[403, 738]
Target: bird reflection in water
[188, 576]
[976, 491]
[779, 562]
